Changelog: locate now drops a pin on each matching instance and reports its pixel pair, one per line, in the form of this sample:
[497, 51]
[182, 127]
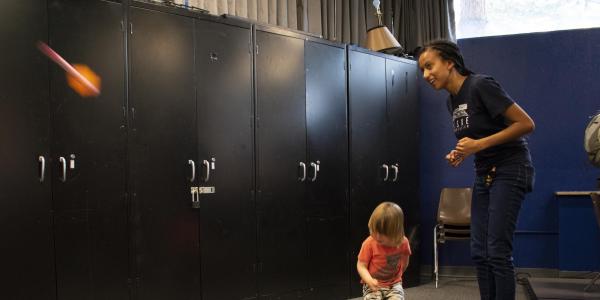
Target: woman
[489, 124]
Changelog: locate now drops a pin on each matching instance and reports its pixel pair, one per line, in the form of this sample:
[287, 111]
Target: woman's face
[435, 70]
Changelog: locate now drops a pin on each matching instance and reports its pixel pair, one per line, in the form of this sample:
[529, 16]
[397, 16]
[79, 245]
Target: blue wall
[555, 77]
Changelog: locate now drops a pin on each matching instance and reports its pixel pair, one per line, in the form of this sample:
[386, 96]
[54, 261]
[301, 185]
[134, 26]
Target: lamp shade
[380, 39]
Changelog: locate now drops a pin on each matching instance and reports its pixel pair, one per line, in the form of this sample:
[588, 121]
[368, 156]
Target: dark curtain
[413, 22]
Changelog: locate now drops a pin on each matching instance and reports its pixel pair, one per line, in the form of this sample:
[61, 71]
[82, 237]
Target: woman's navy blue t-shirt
[477, 111]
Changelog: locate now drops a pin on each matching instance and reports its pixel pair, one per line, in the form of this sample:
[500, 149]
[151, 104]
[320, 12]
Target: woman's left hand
[468, 146]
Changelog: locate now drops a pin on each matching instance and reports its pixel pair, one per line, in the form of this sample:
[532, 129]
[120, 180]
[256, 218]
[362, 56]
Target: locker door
[367, 105]
[327, 201]
[403, 153]
[226, 141]
[163, 141]
[90, 222]
[26, 254]
[281, 149]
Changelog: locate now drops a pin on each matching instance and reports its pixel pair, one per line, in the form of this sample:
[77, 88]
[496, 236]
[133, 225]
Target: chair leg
[589, 285]
[435, 255]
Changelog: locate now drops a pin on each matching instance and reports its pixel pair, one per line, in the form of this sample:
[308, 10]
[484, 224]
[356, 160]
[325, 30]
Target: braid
[448, 51]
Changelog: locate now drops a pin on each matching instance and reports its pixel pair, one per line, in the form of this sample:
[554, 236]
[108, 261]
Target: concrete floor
[451, 288]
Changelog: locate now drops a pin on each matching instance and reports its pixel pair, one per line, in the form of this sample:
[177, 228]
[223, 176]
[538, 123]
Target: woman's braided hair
[448, 51]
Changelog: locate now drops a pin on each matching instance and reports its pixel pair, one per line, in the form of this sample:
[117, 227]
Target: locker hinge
[349, 67]
[131, 28]
[122, 27]
[256, 49]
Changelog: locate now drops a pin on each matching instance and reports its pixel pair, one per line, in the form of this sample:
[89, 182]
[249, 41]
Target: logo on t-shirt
[460, 118]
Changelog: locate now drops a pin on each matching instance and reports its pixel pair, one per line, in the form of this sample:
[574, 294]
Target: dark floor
[565, 288]
[450, 289]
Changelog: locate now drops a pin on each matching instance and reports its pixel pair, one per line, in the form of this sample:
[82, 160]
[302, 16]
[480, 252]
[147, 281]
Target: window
[476, 18]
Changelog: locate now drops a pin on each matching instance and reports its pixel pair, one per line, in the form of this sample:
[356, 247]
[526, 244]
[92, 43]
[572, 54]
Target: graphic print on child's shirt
[390, 269]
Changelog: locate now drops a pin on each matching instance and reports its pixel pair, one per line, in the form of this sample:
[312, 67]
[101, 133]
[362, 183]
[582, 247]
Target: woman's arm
[520, 125]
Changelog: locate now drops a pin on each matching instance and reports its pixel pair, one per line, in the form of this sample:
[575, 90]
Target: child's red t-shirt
[384, 263]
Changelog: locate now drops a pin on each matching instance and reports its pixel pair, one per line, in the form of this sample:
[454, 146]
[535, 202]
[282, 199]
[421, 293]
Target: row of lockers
[222, 160]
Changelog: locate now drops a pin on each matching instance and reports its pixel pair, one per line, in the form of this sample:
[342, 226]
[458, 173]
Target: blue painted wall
[555, 77]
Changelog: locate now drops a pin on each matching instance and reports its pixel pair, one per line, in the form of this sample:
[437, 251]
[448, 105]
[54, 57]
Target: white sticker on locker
[72, 164]
[206, 189]
[212, 165]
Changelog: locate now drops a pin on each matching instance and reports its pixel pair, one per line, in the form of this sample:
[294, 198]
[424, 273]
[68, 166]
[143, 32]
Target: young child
[384, 254]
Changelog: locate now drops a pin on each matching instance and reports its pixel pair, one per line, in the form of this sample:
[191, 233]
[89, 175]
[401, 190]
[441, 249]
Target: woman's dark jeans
[494, 211]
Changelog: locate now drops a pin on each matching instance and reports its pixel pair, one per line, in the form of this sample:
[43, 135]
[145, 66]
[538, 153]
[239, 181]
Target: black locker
[88, 153]
[327, 201]
[403, 153]
[281, 163]
[368, 147]
[26, 253]
[162, 154]
[191, 121]
[225, 160]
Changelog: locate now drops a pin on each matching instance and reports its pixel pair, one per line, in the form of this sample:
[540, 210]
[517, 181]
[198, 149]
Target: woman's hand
[520, 125]
[454, 158]
[467, 146]
[373, 285]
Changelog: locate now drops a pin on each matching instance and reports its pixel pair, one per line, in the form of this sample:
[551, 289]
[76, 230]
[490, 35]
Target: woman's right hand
[454, 158]
[373, 285]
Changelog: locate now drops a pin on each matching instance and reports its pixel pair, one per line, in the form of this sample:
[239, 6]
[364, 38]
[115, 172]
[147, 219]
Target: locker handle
[63, 161]
[207, 165]
[195, 197]
[303, 166]
[395, 167]
[387, 172]
[193, 164]
[42, 161]
[316, 170]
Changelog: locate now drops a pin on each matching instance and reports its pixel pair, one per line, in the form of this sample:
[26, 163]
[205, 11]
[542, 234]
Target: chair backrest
[596, 201]
[455, 206]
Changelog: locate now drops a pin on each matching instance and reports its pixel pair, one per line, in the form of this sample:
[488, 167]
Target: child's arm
[366, 276]
[405, 261]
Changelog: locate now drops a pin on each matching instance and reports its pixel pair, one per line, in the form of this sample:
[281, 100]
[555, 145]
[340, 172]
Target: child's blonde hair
[388, 219]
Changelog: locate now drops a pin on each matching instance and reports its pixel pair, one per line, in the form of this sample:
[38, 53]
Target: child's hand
[373, 285]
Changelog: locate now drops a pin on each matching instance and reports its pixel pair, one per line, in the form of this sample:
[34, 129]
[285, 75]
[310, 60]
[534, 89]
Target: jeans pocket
[529, 177]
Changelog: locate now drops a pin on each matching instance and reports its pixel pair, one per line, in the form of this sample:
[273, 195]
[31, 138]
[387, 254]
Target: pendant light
[379, 38]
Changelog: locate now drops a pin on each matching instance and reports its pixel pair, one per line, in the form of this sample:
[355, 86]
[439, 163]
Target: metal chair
[453, 220]
[596, 201]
